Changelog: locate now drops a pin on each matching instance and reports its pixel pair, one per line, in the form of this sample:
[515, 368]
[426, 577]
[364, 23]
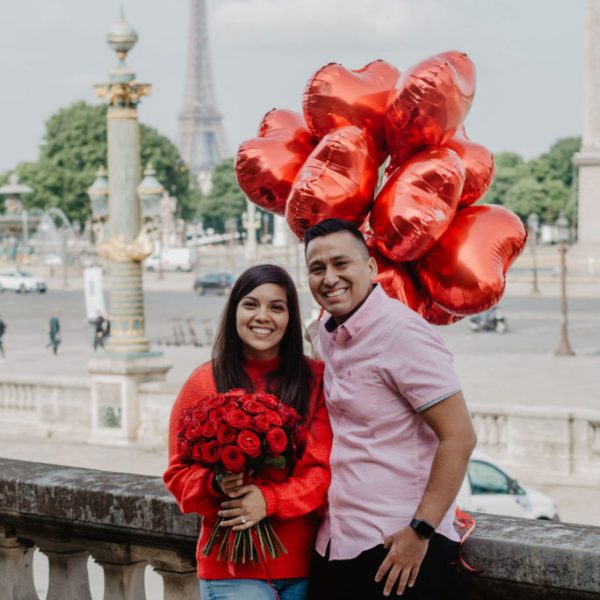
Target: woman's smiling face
[261, 321]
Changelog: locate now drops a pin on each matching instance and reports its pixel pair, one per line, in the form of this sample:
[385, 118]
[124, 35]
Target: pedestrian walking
[402, 435]
[54, 332]
[99, 331]
[2, 330]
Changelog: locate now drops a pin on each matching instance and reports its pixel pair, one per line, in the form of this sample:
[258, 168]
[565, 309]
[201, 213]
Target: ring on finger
[243, 520]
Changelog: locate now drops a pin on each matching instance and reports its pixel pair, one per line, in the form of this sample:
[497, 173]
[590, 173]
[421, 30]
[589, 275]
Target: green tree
[74, 145]
[225, 199]
[510, 168]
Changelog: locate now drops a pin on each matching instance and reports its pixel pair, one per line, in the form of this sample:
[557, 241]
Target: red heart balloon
[336, 96]
[417, 204]
[337, 180]
[465, 271]
[430, 103]
[398, 282]
[267, 165]
[479, 167]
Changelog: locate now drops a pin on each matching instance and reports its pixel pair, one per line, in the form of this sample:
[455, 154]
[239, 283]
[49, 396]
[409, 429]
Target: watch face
[423, 528]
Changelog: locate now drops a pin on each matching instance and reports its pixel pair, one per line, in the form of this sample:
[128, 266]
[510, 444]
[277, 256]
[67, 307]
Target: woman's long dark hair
[293, 379]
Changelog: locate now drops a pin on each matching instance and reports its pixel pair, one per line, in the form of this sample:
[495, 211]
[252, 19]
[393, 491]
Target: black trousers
[354, 579]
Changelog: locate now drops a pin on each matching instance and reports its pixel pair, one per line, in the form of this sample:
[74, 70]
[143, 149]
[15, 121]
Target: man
[54, 332]
[402, 433]
[99, 332]
[2, 331]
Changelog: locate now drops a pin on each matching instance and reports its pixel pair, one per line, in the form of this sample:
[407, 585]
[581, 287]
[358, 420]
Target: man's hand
[247, 510]
[406, 553]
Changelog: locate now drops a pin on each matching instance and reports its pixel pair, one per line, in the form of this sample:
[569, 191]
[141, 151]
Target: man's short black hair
[329, 226]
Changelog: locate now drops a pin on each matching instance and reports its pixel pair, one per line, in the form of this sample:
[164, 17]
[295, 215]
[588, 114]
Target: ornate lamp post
[151, 193]
[129, 210]
[98, 193]
[126, 246]
[251, 223]
[533, 224]
[562, 224]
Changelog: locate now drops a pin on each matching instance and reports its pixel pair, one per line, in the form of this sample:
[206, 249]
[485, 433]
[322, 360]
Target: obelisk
[588, 159]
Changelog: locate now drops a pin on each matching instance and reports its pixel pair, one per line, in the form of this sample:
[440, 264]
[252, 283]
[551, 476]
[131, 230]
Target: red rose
[197, 451]
[226, 434]
[192, 431]
[208, 429]
[260, 423]
[273, 417]
[211, 452]
[269, 400]
[236, 393]
[249, 443]
[211, 402]
[186, 417]
[217, 414]
[184, 451]
[199, 413]
[233, 460]
[253, 406]
[276, 440]
[238, 419]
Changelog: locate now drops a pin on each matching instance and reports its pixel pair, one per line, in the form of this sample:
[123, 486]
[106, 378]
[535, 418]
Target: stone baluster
[178, 572]
[123, 573]
[68, 575]
[16, 573]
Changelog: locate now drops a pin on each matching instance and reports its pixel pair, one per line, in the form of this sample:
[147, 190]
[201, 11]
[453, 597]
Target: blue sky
[528, 53]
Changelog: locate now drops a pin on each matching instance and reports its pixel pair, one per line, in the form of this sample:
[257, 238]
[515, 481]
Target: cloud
[292, 22]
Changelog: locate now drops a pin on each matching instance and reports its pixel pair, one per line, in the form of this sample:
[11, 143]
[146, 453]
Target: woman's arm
[192, 486]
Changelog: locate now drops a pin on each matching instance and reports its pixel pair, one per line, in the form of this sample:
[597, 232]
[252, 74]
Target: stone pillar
[178, 572]
[16, 573]
[123, 574]
[126, 306]
[282, 234]
[588, 159]
[68, 575]
[128, 360]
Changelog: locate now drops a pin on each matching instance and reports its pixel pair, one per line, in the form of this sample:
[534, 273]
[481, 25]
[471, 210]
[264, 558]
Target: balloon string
[462, 520]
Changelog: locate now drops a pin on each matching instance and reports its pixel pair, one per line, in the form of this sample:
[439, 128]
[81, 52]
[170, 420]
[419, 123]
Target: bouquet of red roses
[237, 432]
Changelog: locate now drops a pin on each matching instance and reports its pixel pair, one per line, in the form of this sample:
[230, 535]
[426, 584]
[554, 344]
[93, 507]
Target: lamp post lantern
[533, 224]
[562, 225]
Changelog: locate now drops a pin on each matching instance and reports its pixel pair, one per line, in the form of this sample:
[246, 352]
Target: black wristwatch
[423, 528]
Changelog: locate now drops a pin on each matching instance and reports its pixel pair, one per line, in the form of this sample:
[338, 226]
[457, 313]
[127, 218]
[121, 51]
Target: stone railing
[124, 521]
[127, 522]
[542, 445]
[45, 406]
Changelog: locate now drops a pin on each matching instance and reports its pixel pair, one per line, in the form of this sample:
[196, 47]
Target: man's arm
[450, 421]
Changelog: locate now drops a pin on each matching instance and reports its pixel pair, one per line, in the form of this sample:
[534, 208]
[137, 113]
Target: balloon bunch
[436, 252]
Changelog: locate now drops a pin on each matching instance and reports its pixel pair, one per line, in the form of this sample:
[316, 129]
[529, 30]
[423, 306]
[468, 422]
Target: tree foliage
[225, 199]
[543, 185]
[74, 145]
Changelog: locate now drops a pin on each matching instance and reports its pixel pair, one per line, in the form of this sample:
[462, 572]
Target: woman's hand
[229, 482]
[248, 508]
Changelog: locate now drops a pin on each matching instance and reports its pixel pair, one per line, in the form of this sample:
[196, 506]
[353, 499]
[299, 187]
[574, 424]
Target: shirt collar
[364, 316]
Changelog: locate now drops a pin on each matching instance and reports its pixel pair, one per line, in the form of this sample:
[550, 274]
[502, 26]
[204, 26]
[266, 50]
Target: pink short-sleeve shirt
[383, 366]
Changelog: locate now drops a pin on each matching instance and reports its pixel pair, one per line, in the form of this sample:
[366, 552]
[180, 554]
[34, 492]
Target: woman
[259, 348]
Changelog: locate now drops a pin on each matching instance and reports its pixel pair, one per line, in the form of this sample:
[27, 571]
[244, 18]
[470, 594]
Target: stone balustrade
[541, 445]
[127, 522]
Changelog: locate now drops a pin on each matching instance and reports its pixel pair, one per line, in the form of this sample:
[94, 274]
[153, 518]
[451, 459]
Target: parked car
[18, 281]
[220, 283]
[488, 488]
[172, 259]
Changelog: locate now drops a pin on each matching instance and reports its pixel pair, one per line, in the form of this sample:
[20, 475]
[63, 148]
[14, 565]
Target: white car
[18, 281]
[487, 488]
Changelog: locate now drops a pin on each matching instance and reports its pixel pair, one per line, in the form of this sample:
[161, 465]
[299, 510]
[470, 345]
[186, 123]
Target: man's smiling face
[340, 272]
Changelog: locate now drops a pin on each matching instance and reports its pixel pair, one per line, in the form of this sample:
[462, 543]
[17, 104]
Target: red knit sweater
[294, 499]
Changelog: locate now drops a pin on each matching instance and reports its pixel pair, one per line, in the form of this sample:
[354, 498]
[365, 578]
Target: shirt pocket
[362, 390]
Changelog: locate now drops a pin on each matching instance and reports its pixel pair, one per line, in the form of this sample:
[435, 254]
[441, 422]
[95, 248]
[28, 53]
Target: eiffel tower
[201, 137]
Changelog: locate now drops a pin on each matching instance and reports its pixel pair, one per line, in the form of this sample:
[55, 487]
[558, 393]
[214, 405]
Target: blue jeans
[253, 589]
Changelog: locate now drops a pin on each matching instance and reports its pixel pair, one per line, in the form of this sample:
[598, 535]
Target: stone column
[588, 159]
[128, 360]
[16, 573]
